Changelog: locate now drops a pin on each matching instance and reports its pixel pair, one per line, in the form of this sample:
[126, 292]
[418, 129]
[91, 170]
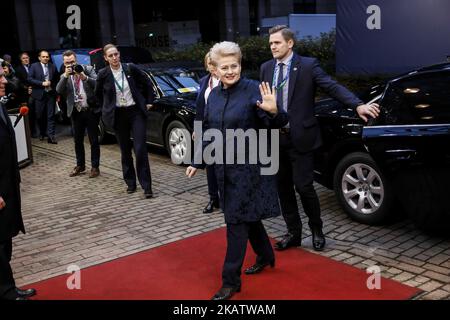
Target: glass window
[166, 86]
[421, 99]
[178, 83]
[187, 82]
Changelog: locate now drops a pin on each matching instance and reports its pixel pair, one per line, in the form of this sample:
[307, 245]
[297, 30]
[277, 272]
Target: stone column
[25, 32]
[45, 24]
[226, 20]
[105, 34]
[241, 18]
[123, 22]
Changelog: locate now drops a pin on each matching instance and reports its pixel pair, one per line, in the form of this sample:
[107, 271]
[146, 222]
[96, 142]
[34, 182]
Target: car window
[187, 81]
[420, 99]
[167, 86]
[175, 84]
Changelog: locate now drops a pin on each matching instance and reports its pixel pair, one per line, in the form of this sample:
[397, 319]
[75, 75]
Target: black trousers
[45, 114]
[131, 122]
[237, 237]
[7, 283]
[213, 189]
[80, 122]
[297, 171]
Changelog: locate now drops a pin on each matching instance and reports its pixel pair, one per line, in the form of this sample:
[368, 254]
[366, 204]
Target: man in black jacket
[25, 90]
[126, 94]
[11, 222]
[296, 79]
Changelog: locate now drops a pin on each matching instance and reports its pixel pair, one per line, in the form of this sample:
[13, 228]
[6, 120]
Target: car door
[414, 125]
[155, 115]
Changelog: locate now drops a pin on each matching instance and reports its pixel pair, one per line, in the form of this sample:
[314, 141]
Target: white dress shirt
[117, 74]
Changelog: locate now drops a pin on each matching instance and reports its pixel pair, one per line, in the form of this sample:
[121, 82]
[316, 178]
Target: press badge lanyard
[286, 77]
[121, 87]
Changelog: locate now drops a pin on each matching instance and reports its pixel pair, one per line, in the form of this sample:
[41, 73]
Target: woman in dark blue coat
[246, 195]
[207, 83]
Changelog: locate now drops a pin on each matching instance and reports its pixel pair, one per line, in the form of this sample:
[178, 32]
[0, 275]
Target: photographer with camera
[77, 85]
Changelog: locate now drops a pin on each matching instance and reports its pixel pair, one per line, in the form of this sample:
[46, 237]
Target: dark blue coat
[245, 194]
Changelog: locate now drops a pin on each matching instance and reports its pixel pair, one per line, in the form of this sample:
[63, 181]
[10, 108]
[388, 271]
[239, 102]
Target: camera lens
[78, 68]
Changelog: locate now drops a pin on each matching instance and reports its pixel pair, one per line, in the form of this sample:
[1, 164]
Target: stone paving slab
[86, 221]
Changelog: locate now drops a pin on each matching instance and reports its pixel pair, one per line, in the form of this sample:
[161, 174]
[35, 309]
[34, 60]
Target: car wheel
[177, 142]
[362, 189]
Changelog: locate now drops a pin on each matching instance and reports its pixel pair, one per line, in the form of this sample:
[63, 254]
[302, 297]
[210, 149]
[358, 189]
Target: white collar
[118, 70]
[287, 59]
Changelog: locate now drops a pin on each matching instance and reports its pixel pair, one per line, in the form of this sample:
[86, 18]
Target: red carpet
[190, 269]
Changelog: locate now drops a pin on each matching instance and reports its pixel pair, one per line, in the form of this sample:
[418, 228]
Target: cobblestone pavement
[86, 221]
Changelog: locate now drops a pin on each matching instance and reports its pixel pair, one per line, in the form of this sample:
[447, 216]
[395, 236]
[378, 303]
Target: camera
[76, 68]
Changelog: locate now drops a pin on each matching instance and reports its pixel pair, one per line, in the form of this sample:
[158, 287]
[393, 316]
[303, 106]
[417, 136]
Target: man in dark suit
[43, 77]
[77, 87]
[296, 79]
[25, 90]
[11, 222]
[126, 94]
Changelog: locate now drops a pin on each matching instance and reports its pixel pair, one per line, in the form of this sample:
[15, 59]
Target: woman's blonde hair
[206, 60]
[107, 47]
[225, 49]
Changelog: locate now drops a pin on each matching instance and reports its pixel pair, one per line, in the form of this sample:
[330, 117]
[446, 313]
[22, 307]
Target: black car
[401, 160]
[173, 111]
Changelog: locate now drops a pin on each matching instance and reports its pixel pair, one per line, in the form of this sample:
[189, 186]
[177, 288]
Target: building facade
[36, 24]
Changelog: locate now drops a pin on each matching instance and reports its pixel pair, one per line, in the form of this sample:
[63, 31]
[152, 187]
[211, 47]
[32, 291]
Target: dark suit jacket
[200, 102]
[105, 90]
[10, 216]
[22, 74]
[36, 77]
[304, 77]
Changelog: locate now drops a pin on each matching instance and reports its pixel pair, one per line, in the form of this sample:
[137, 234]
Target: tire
[423, 193]
[362, 189]
[177, 142]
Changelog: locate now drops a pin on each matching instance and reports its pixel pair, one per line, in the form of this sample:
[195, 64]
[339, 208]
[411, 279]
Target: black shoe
[25, 293]
[148, 194]
[131, 189]
[318, 239]
[226, 293]
[258, 267]
[289, 240]
[41, 138]
[211, 205]
[52, 140]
